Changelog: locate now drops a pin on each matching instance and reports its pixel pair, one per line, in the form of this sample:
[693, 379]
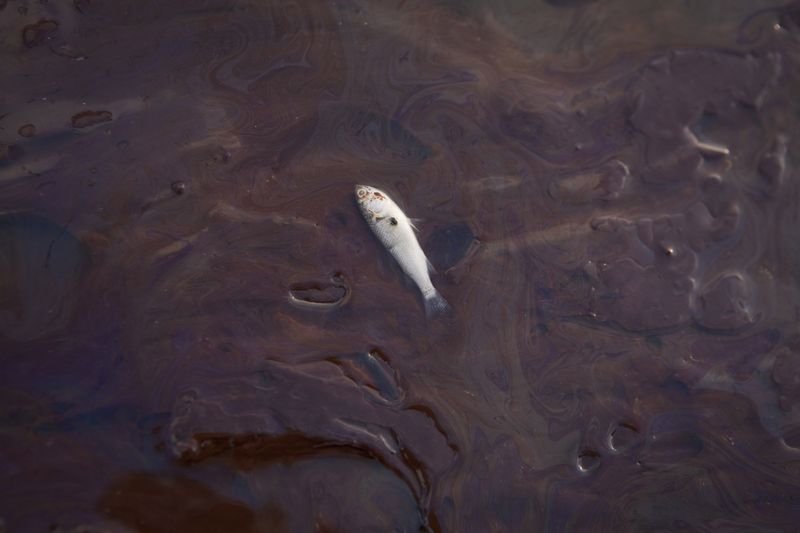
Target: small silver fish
[396, 232]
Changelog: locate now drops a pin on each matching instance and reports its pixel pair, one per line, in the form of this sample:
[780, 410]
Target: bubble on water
[588, 460]
[623, 436]
[320, 295]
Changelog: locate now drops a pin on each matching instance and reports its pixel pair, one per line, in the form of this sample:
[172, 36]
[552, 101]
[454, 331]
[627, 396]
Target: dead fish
[396, 232]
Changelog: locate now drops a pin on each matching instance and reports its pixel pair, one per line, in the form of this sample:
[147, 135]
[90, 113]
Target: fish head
[371, 201]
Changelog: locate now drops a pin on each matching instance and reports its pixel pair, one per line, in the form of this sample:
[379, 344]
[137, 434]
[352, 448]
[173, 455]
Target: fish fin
[436, 305]
[431, 268]
[413, 222]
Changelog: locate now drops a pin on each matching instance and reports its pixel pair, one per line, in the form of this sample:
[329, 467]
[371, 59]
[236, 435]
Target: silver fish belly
[396, 232]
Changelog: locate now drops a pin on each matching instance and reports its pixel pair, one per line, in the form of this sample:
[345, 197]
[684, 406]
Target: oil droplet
[28, 130]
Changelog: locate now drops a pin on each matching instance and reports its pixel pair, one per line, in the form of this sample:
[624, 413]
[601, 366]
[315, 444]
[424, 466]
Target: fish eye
[393, 221]
[361, 193]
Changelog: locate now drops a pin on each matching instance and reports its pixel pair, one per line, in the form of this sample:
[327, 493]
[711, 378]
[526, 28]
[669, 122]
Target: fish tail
[435, 305]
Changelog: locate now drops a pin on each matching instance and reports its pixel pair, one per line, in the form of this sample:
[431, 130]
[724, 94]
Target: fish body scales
[396, 233]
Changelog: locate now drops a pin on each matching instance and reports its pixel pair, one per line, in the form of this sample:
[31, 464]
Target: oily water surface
[199, 332]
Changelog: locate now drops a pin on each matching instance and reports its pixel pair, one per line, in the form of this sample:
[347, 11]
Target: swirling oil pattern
[198, 331]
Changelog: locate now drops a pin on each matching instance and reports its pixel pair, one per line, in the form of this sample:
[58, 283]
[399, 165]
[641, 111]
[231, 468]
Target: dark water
[199, 333]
